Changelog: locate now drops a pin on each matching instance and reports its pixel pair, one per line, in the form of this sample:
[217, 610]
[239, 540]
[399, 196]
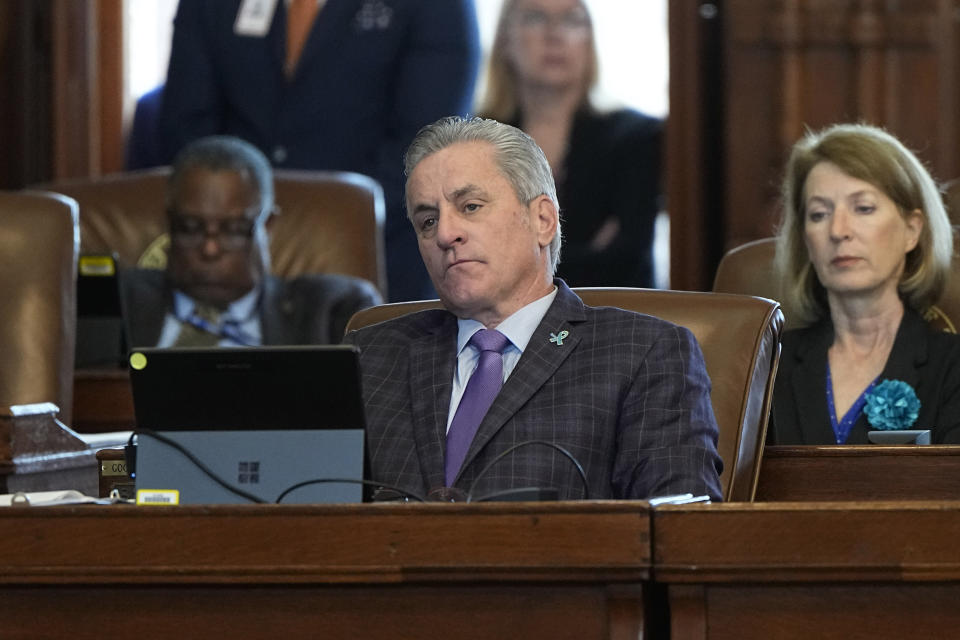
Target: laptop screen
[261, 419]
[215, 388]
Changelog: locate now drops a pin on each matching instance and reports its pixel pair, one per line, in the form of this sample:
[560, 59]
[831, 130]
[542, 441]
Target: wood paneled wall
[87, 87]
[25, 97]
[61, 89]
[781, 66]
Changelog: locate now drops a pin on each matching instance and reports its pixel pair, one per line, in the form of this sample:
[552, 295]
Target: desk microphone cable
[199, 464]
[210, 473]
[368, 483]
[525, 443]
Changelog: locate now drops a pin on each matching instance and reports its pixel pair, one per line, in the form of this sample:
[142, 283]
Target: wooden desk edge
[351, 543]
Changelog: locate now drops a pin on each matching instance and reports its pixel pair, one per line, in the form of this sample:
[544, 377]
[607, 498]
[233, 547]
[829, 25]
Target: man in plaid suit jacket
[626, 395]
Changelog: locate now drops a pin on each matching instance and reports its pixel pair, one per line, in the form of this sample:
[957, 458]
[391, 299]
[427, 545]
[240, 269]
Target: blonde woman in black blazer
[864, 249]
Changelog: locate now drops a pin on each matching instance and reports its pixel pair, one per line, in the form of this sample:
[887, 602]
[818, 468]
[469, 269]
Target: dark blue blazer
[372, 73]
[143, 142]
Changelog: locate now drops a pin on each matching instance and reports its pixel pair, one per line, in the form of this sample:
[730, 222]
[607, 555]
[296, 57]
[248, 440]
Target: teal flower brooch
[892, 405]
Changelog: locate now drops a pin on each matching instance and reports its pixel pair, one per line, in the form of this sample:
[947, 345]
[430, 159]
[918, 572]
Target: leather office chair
[329, 222]
[748, 269]
[740, 340]
[39, 244]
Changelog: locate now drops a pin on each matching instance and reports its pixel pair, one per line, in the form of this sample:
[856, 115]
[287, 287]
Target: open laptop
[261, 418]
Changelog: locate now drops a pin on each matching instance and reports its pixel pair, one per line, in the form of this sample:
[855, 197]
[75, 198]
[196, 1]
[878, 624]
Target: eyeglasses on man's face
[231, 234]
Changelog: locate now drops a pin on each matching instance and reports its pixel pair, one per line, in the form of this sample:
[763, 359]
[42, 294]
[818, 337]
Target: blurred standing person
[607, 165]
[324, 85]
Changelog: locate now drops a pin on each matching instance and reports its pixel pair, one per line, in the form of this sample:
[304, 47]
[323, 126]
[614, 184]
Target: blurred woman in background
[606, 164]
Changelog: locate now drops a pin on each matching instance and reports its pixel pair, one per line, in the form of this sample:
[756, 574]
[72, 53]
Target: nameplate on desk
[113, 468]
[903, 436]
[158, 497]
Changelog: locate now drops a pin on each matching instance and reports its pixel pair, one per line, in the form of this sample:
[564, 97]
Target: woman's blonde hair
[872, 155]
[500, 98]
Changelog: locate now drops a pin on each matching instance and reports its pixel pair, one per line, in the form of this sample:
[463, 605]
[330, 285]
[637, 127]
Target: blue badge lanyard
[229, 330]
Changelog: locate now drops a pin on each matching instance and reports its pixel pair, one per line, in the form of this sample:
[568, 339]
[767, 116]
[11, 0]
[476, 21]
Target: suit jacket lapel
[333, 19]
[277, 36]
[147, 311]
[908, 354]
[909, 350]
[808, 383]
[432, 359]
[537, 364]
[276, 322]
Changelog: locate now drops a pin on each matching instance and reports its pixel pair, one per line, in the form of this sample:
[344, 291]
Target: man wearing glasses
[216, 289]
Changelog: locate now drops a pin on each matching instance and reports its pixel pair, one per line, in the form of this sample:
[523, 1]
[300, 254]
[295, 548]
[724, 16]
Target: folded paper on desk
[680, 498]
[50, 499]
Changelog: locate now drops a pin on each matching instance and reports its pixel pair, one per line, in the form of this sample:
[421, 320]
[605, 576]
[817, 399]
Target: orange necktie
[300, 15]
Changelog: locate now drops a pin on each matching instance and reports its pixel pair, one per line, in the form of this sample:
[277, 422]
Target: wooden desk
[560, 570]
[801, 570]
[868, 472]
[102, 401]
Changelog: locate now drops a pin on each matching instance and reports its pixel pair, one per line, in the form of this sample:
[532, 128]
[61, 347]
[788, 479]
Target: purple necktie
[482, 388]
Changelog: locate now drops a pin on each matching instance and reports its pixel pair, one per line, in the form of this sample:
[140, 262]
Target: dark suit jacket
[143, 142]
[372, 72]
[312, 309]
[627, 394]
[927, 360]
[612, 169]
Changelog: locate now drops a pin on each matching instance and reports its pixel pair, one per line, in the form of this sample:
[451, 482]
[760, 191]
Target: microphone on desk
[401, 493]
[527, 493]
[515, 494]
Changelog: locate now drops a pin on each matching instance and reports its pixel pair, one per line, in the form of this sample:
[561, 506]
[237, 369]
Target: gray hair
[224, 153]
[518, 158]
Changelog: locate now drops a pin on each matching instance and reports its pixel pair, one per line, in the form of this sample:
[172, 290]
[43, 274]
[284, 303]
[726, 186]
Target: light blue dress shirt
[518, 328]
[243, 312]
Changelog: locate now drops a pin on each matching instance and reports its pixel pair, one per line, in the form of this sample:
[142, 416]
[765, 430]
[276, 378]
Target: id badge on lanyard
[254, 18]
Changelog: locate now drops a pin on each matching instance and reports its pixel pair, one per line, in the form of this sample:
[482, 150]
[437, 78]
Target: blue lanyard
[229, 330]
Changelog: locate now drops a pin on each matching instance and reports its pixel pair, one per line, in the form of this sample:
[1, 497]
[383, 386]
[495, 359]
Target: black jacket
[926, 359]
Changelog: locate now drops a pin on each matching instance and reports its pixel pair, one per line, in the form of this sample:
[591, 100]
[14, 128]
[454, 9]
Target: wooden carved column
[87, 87]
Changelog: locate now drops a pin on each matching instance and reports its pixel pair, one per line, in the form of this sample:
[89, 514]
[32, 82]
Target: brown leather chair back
[39, 244]
[740, 340]
[748, 269]
[329, 222]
